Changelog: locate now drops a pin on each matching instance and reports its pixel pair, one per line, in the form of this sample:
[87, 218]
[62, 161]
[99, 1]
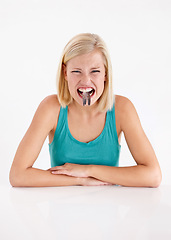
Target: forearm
[33, 177]
[134, 176]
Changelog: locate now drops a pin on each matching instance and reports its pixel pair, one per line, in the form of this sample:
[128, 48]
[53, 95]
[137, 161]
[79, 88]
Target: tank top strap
[112, 123]
[61, 121]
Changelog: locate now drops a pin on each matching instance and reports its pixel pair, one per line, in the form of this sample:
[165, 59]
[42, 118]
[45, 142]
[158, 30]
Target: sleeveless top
[104, 150]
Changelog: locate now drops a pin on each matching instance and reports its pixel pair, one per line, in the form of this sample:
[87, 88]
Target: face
[86, 73]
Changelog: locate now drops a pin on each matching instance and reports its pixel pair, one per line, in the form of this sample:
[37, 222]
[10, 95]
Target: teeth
[85, 89]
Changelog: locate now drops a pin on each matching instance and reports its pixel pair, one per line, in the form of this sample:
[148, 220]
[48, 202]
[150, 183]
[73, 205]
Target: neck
[85, 111]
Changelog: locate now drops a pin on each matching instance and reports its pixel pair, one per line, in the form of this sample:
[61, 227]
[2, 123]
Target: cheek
[72, 82]
[101, 84]
[73, 77]
[99, 80]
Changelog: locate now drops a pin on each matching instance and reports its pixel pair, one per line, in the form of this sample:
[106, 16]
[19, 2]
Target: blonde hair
[81, 44]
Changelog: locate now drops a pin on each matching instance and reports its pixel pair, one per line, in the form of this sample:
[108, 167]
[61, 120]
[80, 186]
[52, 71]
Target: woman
[84, 123]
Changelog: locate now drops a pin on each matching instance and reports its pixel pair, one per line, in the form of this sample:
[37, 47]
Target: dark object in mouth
[86, 98]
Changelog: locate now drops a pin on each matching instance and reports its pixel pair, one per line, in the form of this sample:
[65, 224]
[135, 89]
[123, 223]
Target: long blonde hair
[81, 44]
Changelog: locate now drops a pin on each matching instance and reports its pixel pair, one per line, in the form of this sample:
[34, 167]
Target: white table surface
[79, 212]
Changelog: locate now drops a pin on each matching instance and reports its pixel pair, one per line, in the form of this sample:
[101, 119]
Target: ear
[105, 77]
[64, 69]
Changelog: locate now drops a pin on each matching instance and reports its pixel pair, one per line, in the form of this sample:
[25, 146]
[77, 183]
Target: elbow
[15, 178]
[13, 181]
[156, 178]
[156, 182]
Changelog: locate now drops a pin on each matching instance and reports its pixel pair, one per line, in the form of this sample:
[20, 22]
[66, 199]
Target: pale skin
[85, 124]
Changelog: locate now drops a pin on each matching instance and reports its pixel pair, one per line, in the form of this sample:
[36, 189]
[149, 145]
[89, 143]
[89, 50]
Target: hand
[71, 169]
[93, 182]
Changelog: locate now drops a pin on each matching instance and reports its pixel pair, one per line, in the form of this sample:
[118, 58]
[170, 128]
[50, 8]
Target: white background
[33, 34]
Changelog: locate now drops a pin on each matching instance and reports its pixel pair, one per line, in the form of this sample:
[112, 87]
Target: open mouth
[90, 91]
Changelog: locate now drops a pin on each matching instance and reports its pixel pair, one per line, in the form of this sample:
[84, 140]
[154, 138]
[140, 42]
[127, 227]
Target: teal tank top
[104, 150]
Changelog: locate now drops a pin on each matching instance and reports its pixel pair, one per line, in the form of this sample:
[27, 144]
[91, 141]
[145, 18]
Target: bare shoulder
[50, 104]
[125, 110]
[51, 101]
[123, 103]
[49, 108]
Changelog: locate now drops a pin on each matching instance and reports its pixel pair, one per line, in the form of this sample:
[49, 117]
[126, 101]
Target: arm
[22, 172]
[33, 177]
[147, 172]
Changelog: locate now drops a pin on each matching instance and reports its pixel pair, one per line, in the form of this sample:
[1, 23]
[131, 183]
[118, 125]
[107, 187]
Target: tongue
[86, 98]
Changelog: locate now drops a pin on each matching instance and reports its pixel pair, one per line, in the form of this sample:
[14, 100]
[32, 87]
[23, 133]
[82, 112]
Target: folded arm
[22, 173]
[135, 176]
[147, 172]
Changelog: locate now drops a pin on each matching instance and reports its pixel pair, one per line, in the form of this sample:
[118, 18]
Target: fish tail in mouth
[89, 99]
[86, 98]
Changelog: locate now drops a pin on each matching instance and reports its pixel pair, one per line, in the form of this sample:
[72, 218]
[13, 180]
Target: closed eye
[76, 71]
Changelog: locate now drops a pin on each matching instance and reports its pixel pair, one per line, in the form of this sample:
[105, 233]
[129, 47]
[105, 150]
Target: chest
[86, 130]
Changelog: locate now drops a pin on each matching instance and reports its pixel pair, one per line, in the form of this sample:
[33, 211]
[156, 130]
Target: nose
[86, 79]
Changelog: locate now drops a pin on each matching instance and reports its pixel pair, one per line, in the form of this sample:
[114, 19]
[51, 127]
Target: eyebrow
[90, 68]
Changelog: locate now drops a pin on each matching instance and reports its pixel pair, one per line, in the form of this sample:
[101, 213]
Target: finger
[60, 172]
[108, 184]
[55, 168]
[56, 172]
